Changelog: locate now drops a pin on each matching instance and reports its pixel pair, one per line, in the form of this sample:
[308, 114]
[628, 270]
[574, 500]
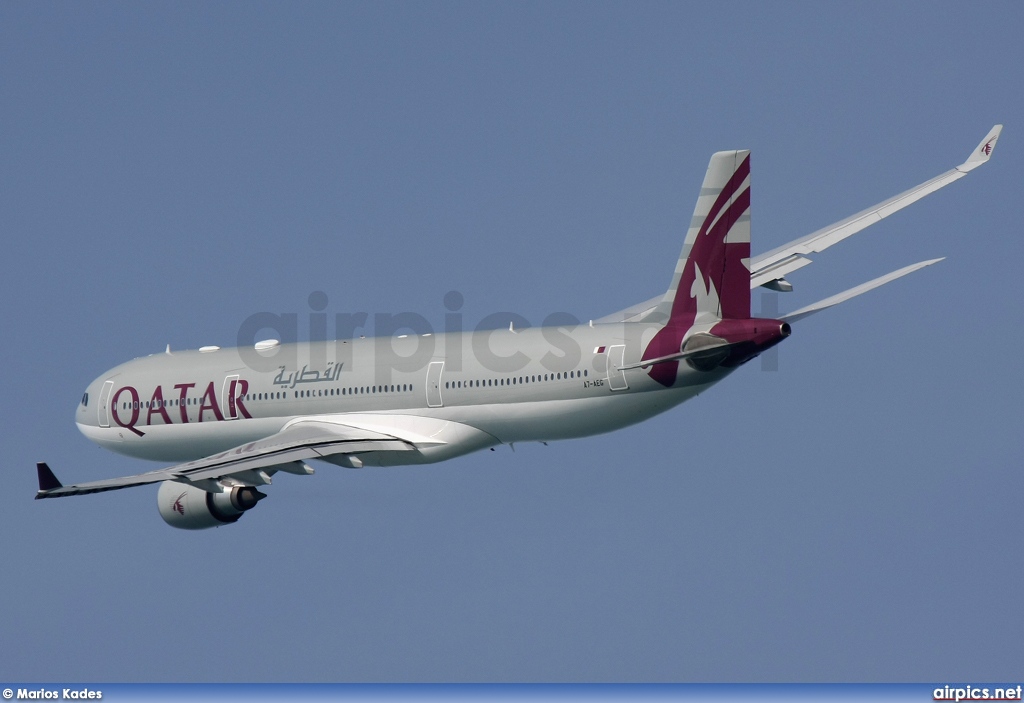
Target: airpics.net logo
[977, 693]
[404, 342]
[407, 342]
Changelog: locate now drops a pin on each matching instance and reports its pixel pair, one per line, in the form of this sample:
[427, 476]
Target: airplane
[233, 418]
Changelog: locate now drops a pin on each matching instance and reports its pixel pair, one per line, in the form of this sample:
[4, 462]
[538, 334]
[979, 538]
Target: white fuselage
[470, 390]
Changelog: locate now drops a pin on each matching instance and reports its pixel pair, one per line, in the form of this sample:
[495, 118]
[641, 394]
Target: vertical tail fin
[712, 278]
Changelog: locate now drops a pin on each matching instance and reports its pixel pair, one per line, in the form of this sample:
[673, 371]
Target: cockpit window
[85, 400]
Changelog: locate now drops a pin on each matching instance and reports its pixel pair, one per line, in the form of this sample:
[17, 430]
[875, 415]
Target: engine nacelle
[190, 508]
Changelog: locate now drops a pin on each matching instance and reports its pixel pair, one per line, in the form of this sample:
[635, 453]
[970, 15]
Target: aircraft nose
[86, 412]
[83, 406]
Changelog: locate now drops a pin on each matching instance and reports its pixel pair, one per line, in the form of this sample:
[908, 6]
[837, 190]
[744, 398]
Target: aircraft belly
[547, 420]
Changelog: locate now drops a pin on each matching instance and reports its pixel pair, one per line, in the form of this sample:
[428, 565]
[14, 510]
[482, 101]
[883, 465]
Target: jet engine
[190, 508]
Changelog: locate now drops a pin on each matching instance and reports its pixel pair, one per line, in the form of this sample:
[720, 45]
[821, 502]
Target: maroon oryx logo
[988, 147]
[178, 506]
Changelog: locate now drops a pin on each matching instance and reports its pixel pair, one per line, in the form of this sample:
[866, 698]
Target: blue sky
[167, 170]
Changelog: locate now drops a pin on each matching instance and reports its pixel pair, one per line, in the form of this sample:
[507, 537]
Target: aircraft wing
[773, 265]
[770, 268]
[254, 462]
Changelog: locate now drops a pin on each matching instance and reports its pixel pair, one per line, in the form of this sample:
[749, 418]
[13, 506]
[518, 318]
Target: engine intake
[190, 508]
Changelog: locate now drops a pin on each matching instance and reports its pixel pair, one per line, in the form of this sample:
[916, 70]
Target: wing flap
[778, 270]
[296, 454]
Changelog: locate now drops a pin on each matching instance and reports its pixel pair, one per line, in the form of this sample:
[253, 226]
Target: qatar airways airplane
[235, 417]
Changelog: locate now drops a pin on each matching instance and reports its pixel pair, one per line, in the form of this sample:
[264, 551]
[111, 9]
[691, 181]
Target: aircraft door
[227, 397]
[434, 384]
[103, 406]
[616, 376]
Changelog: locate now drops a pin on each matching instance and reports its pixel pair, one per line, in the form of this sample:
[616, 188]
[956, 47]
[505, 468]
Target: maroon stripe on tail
[731, 186]
[730, 276]
[721, 266]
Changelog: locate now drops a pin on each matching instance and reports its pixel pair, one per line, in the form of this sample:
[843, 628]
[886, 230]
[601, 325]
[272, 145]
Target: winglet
[47, 481]
[983, 151]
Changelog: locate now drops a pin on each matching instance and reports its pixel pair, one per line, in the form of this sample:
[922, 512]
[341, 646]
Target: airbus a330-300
[233, 418]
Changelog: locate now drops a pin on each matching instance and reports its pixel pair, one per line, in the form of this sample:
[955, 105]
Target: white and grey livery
[236, 417]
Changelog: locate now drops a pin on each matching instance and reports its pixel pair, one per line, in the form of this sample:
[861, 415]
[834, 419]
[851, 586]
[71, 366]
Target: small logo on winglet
[987, 149]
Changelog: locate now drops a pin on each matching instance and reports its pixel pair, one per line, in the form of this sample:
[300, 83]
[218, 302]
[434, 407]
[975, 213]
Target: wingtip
[983, 152]
[47, 481]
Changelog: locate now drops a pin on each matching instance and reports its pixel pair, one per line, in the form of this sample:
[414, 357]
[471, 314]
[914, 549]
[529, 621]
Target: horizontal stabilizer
[855, 291]
[681, 356]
